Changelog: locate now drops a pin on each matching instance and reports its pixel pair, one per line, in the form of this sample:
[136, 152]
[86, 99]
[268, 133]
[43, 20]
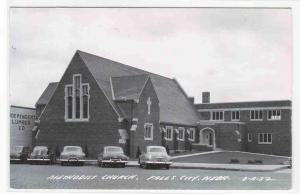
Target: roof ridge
[147, 75]
[122, 64]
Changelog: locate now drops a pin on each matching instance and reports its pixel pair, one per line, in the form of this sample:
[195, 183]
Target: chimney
[192, 100]
[205, 97]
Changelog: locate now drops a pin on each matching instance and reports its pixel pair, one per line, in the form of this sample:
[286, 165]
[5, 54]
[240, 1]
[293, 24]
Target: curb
[178, 166]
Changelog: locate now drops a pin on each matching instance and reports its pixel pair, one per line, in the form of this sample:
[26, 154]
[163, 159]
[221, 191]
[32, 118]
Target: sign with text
[21, 124]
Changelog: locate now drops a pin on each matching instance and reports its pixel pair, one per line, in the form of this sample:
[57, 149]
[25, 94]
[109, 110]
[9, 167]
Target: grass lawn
[227, 157]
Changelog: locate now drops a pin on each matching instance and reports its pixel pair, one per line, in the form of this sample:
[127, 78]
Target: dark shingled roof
[174, 104]
[271, 103]
[48, 92]
[128, 87]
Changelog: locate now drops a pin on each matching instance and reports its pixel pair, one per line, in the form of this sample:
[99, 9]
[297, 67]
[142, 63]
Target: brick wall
[141, 112]
[100, 130]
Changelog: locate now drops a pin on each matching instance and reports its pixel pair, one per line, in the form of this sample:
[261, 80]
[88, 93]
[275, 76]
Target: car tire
[167, 167]
[123, 165]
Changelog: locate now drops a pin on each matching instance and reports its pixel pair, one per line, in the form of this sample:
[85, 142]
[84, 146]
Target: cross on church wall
[149, 105]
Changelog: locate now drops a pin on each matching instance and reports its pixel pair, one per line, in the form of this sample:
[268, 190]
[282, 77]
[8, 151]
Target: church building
[100, 102]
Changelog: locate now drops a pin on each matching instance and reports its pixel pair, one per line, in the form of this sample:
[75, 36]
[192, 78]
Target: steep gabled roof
[128, 87]
[174, 104]
[46, 95]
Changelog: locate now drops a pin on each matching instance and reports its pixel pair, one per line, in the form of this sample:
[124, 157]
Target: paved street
[24, 176]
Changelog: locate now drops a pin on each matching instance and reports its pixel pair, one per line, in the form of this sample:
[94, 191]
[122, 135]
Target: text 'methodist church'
[99, 102]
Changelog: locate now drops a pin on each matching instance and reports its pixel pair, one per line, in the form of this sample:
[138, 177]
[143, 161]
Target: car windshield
[72, 149]
[157, 149]
[17, 149]
[40, 150]
[113, 150]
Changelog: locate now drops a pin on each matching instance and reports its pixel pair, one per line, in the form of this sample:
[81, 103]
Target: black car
[41, 154]
[19, 154]
[112, 156]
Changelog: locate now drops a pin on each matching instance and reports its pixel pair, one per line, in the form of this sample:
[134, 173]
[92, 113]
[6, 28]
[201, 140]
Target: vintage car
[41, 154]
[155, 156]
[112, 155]
[19, 154]
[72, 155]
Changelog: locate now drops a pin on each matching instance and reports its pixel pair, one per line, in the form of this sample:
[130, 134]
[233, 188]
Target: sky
[236, 54]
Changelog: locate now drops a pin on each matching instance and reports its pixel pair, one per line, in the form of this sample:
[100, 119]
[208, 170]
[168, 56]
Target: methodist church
[100, 102]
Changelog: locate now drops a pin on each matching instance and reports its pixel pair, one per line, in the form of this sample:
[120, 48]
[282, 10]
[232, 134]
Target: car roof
[155, 147]
[72, 146]
[111, 147]
[40, 147]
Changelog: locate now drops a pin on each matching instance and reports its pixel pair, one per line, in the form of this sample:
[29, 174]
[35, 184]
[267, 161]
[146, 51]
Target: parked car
[19, 154]
[72, 155]
[112, 155]
[41, 154]
[155, 156]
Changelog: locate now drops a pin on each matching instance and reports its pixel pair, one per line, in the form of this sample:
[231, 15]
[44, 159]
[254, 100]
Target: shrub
[234, 161]
[258, 161]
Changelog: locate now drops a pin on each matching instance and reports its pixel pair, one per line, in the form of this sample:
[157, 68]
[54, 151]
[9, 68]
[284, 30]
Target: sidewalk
[210, 166]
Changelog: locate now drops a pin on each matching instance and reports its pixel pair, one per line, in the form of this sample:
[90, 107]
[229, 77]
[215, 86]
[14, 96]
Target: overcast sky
[236, 54]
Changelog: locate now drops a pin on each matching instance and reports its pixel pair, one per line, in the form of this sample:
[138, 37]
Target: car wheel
[123, 165]
[167, 167]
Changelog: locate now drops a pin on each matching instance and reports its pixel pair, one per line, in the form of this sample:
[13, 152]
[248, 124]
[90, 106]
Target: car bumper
[71, 160]
[15, 159]
[114, 161]
[158, 163]
[38, 159]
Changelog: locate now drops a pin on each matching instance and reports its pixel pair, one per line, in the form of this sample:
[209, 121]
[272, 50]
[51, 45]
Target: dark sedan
[72, 155]
[112, 156]
[19, 154]
[41, 154]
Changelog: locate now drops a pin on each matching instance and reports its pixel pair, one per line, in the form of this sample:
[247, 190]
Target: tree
[57, 151]
[86, 151]
[167, 149]
[138, 152]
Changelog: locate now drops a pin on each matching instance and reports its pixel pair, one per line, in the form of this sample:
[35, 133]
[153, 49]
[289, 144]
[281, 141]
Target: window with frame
[217, 115]
[192, 134]
[169, 133]
[256, 115]
[250, 137]
[235, 115]
[274, 114]
[148, 131]
[265, 138]
[69, 103]
[181, 131]
[77, 100]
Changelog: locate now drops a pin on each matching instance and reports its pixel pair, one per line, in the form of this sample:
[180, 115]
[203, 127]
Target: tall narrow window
[69, 102]
[181, 132]
[169, 133]
[192, 134]
[85, 100]
[77, 96]
[148, 131]
[77, 100]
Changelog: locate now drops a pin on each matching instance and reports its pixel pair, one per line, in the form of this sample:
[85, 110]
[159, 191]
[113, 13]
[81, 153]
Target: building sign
[21, 125]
